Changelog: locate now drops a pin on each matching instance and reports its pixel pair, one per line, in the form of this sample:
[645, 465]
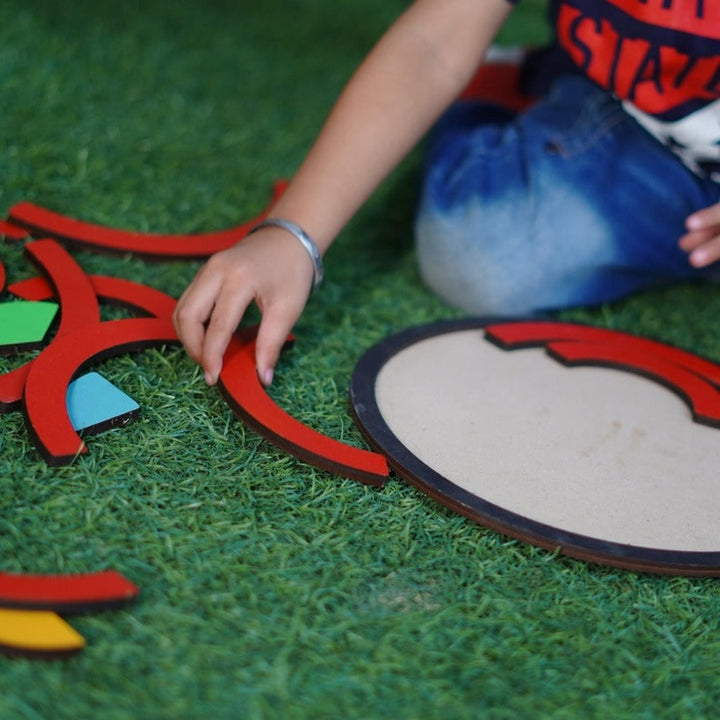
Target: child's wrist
[305, 240]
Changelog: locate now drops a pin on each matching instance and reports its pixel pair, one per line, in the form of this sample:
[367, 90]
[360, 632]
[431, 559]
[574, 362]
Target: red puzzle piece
[13, 232]
[532, 333]
[246, 396]
[2, 277]
[44, 400]
[498, 82]
[78, 308]
[702, 396]
[66, 593]
[135, 296]
[40, 221]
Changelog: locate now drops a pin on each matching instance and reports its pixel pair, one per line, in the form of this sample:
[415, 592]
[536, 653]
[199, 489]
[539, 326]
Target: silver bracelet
[307, 242]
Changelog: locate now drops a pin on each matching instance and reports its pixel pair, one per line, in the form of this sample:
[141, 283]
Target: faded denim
[569, 203]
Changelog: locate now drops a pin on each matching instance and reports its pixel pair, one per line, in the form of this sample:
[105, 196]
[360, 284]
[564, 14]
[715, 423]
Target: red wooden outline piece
[241, 388]
[41, 221]
[498, 82]
[78, 308]
[533, 333]
[12, 232]
[44, 399]
[66, 593]
[135, 296]
[702, 397]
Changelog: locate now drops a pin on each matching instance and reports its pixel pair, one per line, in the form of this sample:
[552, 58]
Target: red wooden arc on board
[78, 308]
[533, 333]
[241, 388]
[44, 399]
[135, 296]
[66, 593]
[41, 221]
[702, 396]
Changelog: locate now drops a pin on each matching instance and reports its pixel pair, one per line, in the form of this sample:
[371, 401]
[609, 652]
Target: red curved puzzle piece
[65, 593]
[116, 291]
[41, 221]
[12, 232]
[247, 398]
[498, 82]
[702, 396]
[532, 333]
[44, 399]
[2, 277]
[78, 308]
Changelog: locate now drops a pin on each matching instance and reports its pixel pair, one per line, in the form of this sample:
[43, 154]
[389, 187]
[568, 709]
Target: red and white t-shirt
[661, 58]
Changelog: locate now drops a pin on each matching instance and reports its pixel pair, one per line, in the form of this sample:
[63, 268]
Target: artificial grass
[269, 588]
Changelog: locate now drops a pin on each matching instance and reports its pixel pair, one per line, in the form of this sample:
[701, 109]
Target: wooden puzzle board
[604, 464]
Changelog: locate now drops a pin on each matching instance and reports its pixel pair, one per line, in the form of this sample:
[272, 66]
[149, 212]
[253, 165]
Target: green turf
[270, 589]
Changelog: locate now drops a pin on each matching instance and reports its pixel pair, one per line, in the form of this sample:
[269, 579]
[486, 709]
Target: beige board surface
[594, 451]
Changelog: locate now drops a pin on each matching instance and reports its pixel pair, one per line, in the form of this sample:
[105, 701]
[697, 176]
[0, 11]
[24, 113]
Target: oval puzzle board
[603, 461]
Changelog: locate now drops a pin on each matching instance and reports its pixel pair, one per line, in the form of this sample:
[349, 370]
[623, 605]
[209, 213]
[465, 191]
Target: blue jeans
[569, 203]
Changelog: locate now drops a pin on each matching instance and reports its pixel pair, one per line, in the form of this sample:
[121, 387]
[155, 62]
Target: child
[608, 184]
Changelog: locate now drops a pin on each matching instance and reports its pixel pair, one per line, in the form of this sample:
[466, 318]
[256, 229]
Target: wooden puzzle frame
[691, 377]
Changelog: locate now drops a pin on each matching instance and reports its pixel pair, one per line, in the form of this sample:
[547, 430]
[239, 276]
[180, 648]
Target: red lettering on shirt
[654, 77]
[696, 17]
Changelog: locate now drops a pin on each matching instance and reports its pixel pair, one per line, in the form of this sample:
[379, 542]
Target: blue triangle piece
[94, 404]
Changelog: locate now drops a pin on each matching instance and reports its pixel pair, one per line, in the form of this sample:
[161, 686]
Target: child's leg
[569, 203]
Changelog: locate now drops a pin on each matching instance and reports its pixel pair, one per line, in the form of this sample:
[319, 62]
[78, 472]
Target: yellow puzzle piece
[37, 632]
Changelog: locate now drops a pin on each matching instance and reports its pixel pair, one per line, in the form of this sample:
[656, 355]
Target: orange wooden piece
[41, 221]
[247, 398]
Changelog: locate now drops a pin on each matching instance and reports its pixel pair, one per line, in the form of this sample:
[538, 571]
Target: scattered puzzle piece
[37, 634]
[94, 405]
[66, 593]
[23, 325]
[246, 396]
[78, 302]
[12, 232]
[143, 299]
[42, 222]
[498, 82]
[44, 399]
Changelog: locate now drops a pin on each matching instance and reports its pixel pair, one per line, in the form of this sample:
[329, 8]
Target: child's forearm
[421, 64]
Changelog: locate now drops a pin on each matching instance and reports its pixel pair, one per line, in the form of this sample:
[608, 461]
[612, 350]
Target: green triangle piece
[24, 324]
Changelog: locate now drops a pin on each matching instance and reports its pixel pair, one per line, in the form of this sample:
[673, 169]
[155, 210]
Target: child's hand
[702, 241]
[270, 267]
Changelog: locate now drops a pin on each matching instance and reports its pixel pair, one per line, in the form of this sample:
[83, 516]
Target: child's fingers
[692, 240]
[277, 323]
[704, 219]
[703, 250]
[191, 314]
[229, 308]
